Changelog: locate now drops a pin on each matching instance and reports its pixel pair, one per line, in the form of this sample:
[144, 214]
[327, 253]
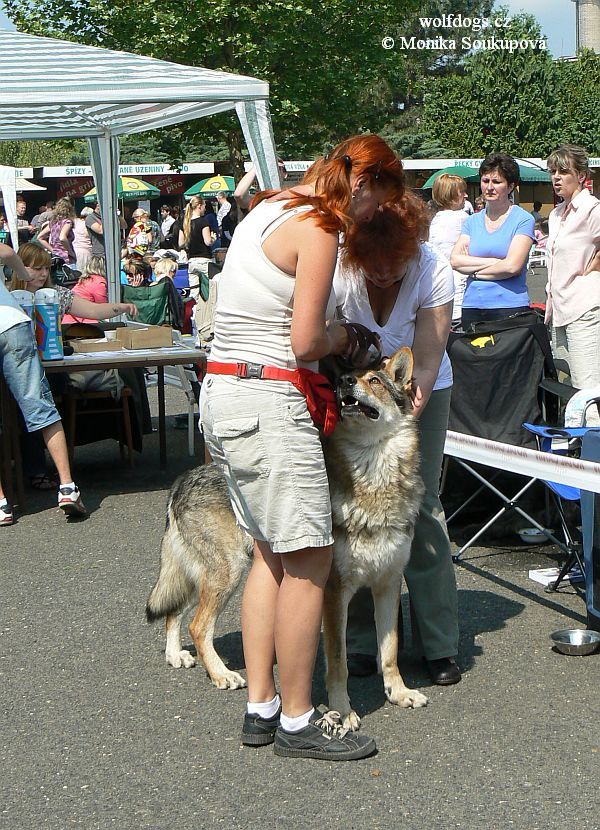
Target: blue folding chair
[567, 442]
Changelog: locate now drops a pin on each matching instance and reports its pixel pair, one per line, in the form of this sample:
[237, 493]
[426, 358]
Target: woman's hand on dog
[363, 347]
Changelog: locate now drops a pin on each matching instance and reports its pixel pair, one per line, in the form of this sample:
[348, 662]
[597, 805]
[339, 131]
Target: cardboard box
[96, 345]
[151, 337]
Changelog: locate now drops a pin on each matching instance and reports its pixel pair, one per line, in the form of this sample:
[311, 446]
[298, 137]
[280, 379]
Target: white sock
[295, 724]
[265, 710]
[3, 503]
[71, 485]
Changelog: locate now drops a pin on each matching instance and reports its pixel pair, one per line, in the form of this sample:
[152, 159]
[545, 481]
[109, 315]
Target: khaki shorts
[261, 435]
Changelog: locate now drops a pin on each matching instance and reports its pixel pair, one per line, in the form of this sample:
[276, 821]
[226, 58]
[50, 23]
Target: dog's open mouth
[350, 406]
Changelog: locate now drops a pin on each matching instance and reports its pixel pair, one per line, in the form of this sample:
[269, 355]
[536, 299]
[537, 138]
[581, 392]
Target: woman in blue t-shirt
[494, 246]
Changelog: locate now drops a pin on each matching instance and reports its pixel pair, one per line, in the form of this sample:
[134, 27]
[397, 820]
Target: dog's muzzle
[349, 405]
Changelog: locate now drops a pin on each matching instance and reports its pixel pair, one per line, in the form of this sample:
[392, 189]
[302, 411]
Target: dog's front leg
[386, 597]
[335, 617]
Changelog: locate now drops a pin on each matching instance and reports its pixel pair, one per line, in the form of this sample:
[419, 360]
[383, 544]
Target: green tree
[423, 64]
[329, 75]
[578, 102]
[407, 139]
[503, 100]
[39, 153]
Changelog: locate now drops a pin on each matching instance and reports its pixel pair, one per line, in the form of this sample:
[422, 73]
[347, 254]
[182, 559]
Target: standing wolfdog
[372, 462]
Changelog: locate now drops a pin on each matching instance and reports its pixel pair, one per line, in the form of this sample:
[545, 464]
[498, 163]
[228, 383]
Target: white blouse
[428, 283]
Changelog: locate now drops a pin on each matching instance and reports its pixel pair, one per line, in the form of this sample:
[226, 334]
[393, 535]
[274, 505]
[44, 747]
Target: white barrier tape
[571, 471]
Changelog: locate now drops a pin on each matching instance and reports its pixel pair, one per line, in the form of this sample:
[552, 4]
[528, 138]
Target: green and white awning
[80, 91]
[83, 91]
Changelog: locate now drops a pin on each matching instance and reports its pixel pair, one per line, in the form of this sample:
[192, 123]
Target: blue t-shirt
[509, 293]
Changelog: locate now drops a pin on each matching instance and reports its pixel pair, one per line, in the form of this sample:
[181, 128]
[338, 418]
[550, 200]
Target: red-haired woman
[402, 289]
[275, 301]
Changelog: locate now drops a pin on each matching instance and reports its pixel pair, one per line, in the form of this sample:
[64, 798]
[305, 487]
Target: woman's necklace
[496, 223]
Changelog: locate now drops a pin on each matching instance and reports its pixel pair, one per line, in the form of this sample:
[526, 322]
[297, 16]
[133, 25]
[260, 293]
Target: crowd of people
[22, 369]
[350, 245]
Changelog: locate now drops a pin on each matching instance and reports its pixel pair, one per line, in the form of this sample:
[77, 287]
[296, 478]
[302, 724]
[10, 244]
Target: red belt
[319, 393]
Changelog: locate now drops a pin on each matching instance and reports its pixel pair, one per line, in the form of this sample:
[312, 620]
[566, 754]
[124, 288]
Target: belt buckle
[250, 370]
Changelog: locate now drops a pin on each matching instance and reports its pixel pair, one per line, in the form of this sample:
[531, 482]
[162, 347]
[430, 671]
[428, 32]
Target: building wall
[588, 24]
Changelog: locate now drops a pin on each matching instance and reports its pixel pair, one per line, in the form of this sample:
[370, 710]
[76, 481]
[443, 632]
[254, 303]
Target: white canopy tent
[9, 201]
[100, 94]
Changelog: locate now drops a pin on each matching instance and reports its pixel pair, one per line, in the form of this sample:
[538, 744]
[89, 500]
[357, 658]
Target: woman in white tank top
[275, 298]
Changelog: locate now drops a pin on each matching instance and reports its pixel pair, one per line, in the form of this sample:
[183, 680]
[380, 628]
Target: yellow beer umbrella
[129, 188]
[211, 186]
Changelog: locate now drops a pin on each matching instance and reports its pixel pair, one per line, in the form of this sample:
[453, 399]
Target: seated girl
[92, 286]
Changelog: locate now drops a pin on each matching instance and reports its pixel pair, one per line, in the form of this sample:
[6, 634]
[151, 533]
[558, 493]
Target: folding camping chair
[565, 441]
[158, 304]
[590, 514]
[569, 441]
[498, 367]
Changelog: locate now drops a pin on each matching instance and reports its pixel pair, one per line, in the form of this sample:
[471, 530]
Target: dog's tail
[174, 587]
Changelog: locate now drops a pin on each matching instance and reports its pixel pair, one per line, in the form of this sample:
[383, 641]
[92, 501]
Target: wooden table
[134, 359]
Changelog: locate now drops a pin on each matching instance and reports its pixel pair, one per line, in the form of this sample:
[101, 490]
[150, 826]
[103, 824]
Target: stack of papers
[546, 576]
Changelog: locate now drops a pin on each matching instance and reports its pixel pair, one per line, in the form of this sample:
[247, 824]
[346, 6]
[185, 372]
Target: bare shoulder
[307, 231]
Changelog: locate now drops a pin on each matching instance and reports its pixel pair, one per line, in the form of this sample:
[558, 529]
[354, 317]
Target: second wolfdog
[372, 463]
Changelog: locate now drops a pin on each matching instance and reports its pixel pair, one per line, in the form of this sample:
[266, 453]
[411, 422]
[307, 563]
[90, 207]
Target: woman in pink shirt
[92, 286]
[573, 252]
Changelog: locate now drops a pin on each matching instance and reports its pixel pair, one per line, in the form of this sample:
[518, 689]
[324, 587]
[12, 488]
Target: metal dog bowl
[532, 536]
[576, 641]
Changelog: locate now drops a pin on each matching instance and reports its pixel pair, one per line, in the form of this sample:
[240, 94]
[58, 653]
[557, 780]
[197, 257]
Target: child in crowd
[164, 267]
[140, 237]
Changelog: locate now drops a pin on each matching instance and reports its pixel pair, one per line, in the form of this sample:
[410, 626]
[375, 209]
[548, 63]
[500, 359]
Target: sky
[556, 17]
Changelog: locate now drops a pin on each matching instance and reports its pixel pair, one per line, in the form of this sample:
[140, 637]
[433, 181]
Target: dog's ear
[400, 367]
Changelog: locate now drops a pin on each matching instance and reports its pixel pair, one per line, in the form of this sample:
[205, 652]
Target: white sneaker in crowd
[6, 514]
[69, 500]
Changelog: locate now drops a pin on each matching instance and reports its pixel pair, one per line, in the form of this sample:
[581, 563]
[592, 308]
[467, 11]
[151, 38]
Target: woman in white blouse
[402, 289]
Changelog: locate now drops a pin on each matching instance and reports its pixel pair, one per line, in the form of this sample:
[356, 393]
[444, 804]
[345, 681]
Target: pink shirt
[94, 289]
[573, 238]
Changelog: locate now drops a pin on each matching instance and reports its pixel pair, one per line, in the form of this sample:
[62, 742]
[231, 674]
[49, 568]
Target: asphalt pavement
[98, 732]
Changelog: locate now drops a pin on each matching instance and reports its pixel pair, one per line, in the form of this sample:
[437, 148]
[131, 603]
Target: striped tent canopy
[83, 91]
[99, 94]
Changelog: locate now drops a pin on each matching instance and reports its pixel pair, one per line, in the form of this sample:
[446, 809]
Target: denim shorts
[24, 374]
[261, 435]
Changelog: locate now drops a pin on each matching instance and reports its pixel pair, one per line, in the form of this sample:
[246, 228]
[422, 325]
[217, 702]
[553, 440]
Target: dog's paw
[407, 698]
[351, 721]
[177, 659]
[229, 680]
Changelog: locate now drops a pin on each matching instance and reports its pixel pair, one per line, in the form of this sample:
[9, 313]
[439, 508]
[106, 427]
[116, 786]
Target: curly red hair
[390, 240]
[366, 155]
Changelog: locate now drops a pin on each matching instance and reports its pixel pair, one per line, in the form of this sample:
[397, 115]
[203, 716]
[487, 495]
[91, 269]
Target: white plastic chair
[537, 258]
[181, 377]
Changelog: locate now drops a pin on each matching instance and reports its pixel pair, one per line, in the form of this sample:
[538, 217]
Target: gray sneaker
[324, 739]
[258, 731]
